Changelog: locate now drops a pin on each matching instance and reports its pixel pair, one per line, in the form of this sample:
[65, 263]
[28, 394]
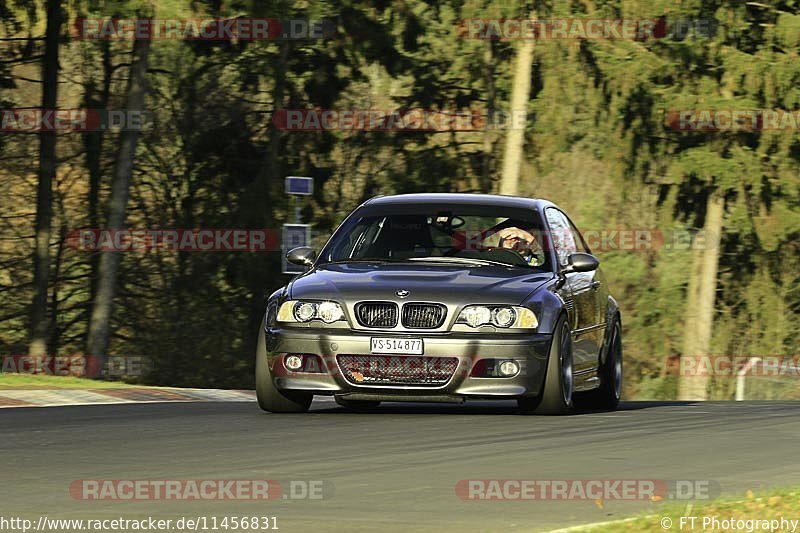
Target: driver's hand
[516, 239]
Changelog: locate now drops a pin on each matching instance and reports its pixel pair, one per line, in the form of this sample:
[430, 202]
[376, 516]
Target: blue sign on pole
[299, 185]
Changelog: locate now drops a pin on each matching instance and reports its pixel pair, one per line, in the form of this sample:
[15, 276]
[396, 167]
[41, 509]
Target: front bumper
[528, 350]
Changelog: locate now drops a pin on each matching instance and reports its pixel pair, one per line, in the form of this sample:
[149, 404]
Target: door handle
[595, 285]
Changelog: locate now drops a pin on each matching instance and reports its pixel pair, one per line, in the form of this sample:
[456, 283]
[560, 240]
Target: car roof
[459, 198]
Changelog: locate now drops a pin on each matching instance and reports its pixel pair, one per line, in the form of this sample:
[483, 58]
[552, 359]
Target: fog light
[508, 369]
[293, 362]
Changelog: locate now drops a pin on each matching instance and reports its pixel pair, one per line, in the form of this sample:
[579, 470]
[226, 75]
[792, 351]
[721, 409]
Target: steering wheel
[510, 256]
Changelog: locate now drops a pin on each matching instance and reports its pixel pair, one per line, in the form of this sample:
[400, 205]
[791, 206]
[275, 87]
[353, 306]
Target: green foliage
[597, 144]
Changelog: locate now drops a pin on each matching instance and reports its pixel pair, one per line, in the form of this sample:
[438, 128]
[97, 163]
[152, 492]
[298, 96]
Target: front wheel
[269, 397]
[556, 395]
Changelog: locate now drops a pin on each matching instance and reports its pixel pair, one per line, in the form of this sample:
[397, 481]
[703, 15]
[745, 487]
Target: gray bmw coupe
[444, 298]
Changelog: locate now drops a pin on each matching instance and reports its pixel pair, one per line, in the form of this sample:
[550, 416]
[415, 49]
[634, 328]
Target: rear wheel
[357, 405]
[607, 395]
[269, 397]
[556, 395]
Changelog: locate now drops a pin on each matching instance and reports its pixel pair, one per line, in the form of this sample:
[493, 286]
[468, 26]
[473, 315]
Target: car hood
[350, 282]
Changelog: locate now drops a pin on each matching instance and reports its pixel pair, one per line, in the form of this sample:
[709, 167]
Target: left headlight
[499, 316]
[306, 311]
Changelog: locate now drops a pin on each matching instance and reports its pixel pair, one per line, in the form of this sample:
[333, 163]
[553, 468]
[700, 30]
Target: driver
[522, 242]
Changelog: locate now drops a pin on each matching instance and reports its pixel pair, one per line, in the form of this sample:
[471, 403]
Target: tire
[556, 397]
[606, 396]
[357, 405]
[269, 397]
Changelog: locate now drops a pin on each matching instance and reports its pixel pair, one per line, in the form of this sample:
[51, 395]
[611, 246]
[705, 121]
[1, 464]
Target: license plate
[396, 346]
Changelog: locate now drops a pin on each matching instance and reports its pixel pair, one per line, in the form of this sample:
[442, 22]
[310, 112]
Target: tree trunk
[93, 142]
[55, 330]
[40, 322]
[263, 192]
[515, 139]
[485, 182]
[100, 319]
[690, 316]
[701, 299]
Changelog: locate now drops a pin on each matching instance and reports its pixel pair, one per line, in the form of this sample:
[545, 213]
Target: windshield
[469, 235]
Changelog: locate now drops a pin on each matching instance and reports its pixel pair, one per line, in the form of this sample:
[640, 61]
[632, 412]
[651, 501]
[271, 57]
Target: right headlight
[500, 316]
[306, 311]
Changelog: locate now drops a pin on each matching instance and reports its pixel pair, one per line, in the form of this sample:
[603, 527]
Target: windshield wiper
[437, 259]
[365, 260]
[462, 260]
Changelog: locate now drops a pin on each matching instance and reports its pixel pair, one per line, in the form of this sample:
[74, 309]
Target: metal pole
[740, 378]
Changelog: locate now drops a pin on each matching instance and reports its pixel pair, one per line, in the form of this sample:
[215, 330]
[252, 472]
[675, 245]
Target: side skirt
[587, 380]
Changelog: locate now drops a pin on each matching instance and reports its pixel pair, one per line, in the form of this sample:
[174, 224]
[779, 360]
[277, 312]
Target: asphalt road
[394, 469]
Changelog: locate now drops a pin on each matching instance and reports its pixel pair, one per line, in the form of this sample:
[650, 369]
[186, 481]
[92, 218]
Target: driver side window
[561, 234]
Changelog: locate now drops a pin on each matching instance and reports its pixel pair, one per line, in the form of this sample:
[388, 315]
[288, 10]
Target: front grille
[377, 314]
[423, 316]
[396, 370]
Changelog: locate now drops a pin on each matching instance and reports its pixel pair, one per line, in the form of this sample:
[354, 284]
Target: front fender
[547, 306]
[612, 314]
[612, 310]
[273, 304]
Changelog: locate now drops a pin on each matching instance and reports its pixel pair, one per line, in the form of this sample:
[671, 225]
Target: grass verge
[38, 381]
[760, 509]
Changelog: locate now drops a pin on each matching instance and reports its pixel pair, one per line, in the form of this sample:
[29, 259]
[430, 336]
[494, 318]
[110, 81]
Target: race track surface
[392, 470]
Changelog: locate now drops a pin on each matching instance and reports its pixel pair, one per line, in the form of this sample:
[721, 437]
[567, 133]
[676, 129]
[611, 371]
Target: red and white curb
[62, 397]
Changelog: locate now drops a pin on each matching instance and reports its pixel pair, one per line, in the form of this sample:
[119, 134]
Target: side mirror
[581, 262]
[302, 255]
